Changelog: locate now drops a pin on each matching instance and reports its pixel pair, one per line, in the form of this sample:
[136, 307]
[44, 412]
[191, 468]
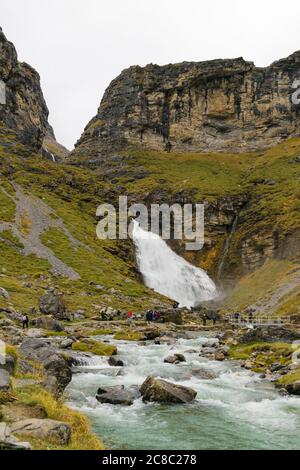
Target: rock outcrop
[218, 105]
[9, 442]
[23, 108]
[52, 304]
[54, 364]
[49, 429]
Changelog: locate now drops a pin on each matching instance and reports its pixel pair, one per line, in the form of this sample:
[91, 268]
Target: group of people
[152, 316]
[242, 318]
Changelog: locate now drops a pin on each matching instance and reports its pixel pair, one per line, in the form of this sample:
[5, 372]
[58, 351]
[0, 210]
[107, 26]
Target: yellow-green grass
[13, 352]
[95, 347]
[290, 304]
[210, 175]
[7, 207]
[50, 334]
[129, 336]
[98, 332]
[81, 437]
[266, 354]
[290, 378]
[259, 285]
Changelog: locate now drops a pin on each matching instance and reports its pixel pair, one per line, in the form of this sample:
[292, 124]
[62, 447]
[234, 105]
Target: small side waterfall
[226, 247]
[169, 274]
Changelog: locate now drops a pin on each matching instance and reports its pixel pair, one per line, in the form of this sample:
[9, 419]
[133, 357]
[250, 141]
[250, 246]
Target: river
[236, 410]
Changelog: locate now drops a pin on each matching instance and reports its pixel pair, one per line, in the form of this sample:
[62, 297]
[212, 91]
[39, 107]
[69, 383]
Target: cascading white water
[169, 274]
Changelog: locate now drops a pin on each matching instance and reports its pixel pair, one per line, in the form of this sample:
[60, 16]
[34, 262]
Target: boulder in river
[294, 388]
[115, 362]
[175, 359]
[219, 356]
[161, 391]
[165, 340]
[116, 395]
[204, 374]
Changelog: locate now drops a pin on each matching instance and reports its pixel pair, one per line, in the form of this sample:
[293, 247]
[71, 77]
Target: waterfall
[169, 274]
[226, 247]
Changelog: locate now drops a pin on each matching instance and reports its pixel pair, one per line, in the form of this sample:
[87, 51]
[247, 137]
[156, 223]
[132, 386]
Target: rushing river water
[237, 410]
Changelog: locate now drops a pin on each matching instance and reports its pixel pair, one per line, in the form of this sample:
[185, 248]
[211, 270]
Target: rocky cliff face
[219, 105]
[24, 109]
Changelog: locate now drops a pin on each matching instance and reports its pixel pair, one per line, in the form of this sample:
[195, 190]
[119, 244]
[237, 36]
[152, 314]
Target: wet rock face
[217, 105]
[25, 110]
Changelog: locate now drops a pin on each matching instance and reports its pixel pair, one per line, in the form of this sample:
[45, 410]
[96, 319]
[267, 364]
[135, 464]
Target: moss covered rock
[95, 347]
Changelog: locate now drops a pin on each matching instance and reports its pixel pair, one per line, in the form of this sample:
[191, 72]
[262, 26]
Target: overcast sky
[79, 46]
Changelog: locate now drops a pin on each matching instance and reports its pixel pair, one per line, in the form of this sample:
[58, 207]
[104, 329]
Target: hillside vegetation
[107, 274]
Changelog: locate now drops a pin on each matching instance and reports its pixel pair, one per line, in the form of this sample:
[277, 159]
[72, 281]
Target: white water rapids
[169, 274]
[236, 410]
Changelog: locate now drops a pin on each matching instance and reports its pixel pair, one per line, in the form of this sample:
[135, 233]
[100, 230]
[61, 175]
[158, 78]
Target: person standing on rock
[25, 322]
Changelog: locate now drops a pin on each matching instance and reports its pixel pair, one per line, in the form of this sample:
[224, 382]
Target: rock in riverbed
[115, 362]
[219, 356]
[175, 359]
[161, 391]
[294, 388]
[116, 395]
[203, 374]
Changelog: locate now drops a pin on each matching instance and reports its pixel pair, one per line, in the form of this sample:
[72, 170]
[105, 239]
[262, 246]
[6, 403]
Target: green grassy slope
[74, 195]
[270, 180]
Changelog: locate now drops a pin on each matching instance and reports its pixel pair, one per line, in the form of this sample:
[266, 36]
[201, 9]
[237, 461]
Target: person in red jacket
[129, 317]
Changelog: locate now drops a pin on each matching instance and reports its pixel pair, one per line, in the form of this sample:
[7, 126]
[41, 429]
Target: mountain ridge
[218, 105]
